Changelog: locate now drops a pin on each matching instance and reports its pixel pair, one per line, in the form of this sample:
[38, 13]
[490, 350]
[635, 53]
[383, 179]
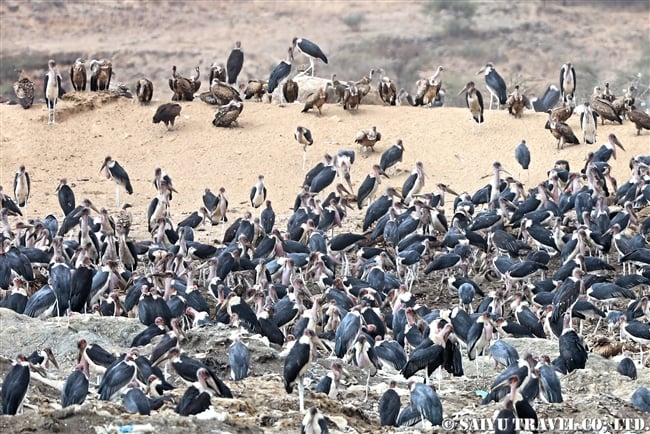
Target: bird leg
[311, 66]
[367, 386]
[304, 158]
[597, 324]
[301, 394]
[117, 194]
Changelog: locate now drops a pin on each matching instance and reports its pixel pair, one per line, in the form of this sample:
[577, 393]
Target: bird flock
[536, 263]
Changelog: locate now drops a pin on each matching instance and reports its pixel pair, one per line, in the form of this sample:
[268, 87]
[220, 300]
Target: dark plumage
[101, 72]
[234, 63]
[228, 114]
[78, 75]
[562, 132]
[167, 114]
[640, 119]
[24, 89]
[290, 90]
[144, 91]
[316, 99]
[182, 87]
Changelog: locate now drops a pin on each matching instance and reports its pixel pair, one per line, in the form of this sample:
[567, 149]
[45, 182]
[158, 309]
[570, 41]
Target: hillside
[527, 41]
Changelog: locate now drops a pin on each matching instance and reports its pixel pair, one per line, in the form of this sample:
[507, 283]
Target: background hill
[527, 41]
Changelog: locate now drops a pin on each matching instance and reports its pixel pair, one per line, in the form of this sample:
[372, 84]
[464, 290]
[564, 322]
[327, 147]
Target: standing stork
[567, 82]
[14, 386]
[21, 186]
[392, 156]
[311, 50]
[588, 124]
[474, 101]
[113, 170]
[258, 192]
[522, 155]
[53, 90]
[298, 362]
[280, 73]
[414, 183]
[234, 63]
[78, 75]
[303, 136]
[495, 84]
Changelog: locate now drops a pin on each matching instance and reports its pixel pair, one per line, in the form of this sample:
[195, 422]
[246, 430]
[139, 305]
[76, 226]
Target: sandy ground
[197, 155]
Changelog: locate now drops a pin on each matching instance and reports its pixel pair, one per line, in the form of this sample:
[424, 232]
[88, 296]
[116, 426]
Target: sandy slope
[197, 155]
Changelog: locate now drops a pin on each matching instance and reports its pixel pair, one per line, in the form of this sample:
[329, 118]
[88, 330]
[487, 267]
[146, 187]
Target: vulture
[100, 74]
[78, 75]
[387, 91]
[290, 90]
[640, 119]
[24, 89]
[182, 87]
[255, 88]
[604, 108]
[167, 113]
[367, 138]
[220, 93]
[195, 80]
[562, 132]
[217, 71]
[517, 102]
[144, 90]
[351, 97]
[227, 114]
[316, 99]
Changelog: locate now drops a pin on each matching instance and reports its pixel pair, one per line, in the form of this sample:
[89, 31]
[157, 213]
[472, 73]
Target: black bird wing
[234, 65]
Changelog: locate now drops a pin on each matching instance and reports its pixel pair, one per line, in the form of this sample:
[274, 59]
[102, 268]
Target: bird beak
[617, 143]
[450, 191]
[50, 357]
[462, 90]
[480, 70]
[102, 168]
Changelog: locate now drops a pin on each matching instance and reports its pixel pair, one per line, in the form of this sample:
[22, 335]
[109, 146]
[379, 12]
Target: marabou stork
[474, 101]
[495, 84]
[392, 156]
[303, 136]
[234, 63]
[22, 186]
[14, 386]
[298, 362]
[567, 82]
[75, 388]
[313, 423]
[53, 90]
[113, 170]
[258, 193]
[426, 401]
[311, 50]
[239, 359]
[279, 73]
